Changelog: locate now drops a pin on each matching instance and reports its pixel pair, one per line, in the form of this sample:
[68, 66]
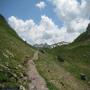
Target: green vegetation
[13, 53]
[76, 55]
[76, 62]
[77, 58]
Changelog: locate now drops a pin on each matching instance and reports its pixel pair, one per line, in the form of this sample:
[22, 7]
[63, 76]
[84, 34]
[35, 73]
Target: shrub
[60, 58]
[83, 76]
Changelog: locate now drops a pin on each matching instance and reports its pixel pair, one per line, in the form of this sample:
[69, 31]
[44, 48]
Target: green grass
[13, 53]
[76, 58]
[44, 64]
[53, 71]
[76, 61]
[51, 86]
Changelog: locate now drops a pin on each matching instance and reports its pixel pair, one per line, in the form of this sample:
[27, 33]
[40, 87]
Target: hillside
[64, 66]
[13, 55]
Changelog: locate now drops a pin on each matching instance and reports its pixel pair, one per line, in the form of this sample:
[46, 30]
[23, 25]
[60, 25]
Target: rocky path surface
[37, 82]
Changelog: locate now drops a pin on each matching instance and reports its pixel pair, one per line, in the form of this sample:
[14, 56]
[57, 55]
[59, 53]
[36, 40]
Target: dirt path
[37, 82]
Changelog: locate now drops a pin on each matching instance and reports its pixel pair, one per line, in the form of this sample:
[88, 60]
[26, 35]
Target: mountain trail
[37, 82]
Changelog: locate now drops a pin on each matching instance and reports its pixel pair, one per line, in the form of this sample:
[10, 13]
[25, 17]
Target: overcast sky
[47, 21]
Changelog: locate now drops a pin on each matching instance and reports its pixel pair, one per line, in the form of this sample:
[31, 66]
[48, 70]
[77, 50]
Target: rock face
[1, 16]
[84, 36]
[3, 21]
[88, 28]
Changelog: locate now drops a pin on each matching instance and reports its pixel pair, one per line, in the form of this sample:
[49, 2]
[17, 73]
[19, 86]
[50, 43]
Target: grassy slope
[54, 72]
[12, 56]
[76, 60]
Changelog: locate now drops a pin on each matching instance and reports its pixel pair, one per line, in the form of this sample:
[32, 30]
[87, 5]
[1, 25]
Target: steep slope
[13, 54]
[84, 36]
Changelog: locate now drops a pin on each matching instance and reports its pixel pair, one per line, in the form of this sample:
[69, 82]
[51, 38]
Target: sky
[47, 21]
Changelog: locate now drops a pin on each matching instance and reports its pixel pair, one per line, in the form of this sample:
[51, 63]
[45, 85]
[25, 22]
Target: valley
[25, 67]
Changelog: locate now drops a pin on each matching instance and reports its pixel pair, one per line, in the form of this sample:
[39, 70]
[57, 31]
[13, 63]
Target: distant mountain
[59, 44]
[50, 46]
[42, 45]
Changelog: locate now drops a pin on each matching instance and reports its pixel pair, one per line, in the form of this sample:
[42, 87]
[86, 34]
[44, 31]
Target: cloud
[77, 25]
[74, 13]
[41, 5]
[70, 9]
[44, 32]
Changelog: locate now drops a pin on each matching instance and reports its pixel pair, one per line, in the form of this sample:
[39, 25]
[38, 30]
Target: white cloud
[70, 9]
[73, 13]
[45, 32]
[41, 5]
[77, 25]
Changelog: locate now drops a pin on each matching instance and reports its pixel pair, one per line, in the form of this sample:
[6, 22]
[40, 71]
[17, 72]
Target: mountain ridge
[85, 36]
